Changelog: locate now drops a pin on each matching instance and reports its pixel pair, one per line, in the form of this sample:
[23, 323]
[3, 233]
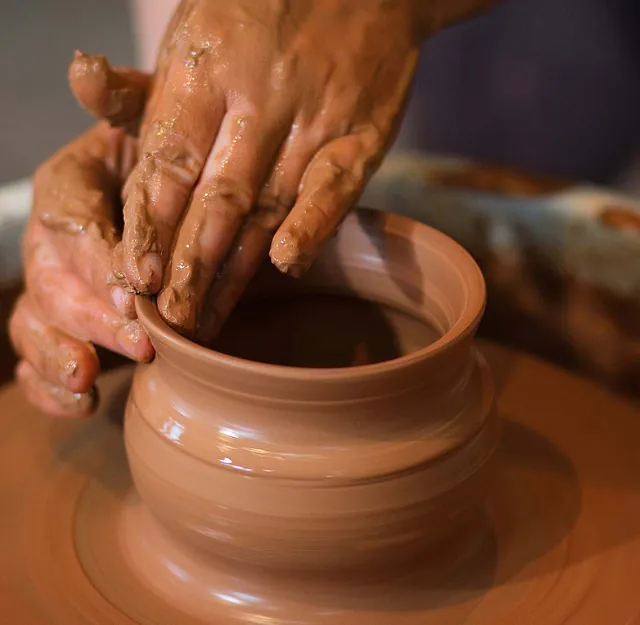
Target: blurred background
[551, 86]
[37, 40]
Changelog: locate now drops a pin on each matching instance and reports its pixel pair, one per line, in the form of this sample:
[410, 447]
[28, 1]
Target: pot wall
[325, 468]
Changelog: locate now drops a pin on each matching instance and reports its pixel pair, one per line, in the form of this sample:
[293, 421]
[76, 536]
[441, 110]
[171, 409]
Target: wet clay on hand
[73, 298]
[265, 122]
[117, 95]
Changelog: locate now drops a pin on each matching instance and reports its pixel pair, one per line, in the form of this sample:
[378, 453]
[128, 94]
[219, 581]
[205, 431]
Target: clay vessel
[322, 468]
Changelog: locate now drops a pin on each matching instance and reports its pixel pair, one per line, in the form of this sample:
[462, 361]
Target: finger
[235, 171]
[244, 260]
[57, 358]
[73, 201]
[57, 401]
[330, 187]
[175, 142]
[68, 304]
[250, 249]
[117, 95]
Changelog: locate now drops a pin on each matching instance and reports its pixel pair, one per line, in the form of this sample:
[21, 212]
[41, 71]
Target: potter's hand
[266, 120]
[72, 300]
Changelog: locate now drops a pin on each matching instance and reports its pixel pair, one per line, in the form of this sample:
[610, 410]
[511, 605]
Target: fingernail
[76, 404]
[177, 309]
[123, 302]
[284, 252]
[68, 370]
[118, 297]
[65, 402]
[150, 271]
[129, 337]
[289, 255]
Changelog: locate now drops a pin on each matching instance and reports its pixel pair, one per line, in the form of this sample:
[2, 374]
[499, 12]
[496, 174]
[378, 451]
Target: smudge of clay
[140, 257]
[77, 191]
[621, 218]
[499, 180]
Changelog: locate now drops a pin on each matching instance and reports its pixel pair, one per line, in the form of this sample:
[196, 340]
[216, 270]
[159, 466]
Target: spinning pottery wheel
[559, 543]
[557, 540]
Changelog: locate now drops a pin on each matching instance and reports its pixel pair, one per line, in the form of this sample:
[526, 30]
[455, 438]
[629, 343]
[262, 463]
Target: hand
[265, 121]
[72, 299]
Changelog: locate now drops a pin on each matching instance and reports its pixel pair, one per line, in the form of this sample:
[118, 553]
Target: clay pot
[316, 468]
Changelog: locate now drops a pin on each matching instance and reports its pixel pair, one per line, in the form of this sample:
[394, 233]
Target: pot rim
[466, 324]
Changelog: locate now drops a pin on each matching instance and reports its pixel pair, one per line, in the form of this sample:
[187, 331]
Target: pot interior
[384, 290]
[299, 324]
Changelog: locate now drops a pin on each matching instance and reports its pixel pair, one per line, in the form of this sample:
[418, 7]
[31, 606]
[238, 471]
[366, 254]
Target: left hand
[72, 301]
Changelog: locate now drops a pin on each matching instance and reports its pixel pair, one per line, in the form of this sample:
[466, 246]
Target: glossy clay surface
[559, 544]
[331, 496]
[323, 469]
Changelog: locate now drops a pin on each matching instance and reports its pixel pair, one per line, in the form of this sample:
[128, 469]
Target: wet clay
[115, 95]
[559, 542]
[72, 298]
[264, 123]
[365, 440]
[373, 494]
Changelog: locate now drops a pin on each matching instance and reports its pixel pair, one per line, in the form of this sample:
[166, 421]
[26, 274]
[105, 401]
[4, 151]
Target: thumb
[117, 95]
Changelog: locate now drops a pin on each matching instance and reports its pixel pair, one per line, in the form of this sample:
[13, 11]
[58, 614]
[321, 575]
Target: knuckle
[321, 210]
[176, 159]
[340, 175]
[373, 142]
[227, 197]
[272, 210]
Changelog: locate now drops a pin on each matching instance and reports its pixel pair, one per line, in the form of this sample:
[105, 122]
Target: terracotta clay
[353, 493]
[325, 468]
[559, 543]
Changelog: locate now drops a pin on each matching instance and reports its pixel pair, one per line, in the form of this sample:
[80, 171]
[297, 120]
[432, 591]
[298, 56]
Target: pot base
[559, 542]
[223, 592]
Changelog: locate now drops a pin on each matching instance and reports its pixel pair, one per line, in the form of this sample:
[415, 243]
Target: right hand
[265, 122]
[72, 300]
